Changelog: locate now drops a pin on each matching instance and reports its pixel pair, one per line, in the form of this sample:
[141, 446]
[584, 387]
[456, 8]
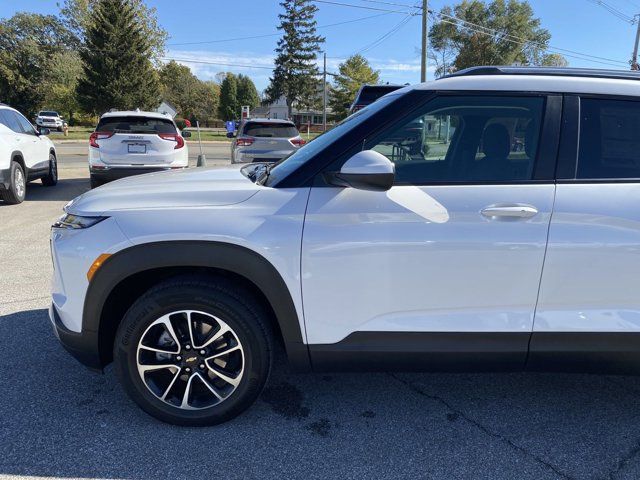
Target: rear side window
[270, 129]
[609, 139]
[9, 119]
[136, 125]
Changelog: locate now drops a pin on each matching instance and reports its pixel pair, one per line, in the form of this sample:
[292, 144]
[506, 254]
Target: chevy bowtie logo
[191, 359]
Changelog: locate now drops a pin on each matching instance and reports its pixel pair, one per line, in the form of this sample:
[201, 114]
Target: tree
[296, 74]
[502, 32]
[117, 71]
[247, 93]
[65, 68]
[354, 72]
[228, 98]
[77, 16]
[29, 43]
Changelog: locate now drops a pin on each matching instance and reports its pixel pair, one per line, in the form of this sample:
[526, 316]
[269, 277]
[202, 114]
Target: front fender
[209, 254]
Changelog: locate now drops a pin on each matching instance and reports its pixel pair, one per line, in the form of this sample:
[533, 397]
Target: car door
[589, 307]
[34, 148]
[445, 266]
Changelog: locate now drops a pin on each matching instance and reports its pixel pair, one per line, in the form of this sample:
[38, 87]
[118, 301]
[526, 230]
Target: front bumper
[83, 346]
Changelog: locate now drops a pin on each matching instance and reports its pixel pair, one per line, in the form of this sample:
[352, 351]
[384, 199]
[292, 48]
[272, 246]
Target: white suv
[49, 119]
[25, 155]
[484, 221]
[134, 142]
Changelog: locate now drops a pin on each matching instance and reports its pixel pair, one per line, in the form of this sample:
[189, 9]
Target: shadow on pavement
[58, 419]
[66, 189]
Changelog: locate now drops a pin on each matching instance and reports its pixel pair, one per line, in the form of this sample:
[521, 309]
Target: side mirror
[186, 134]
[366, 170]
[44, 131]
[230, 135]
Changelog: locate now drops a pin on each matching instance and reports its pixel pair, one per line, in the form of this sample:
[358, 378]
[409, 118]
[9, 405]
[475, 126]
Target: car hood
[170, 189]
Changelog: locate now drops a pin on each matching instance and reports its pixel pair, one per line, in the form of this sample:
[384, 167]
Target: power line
[360, 6]
[390, 33]
[614, 11]
[274, 34]
[523, 43]
[509, 37]
[186, 60]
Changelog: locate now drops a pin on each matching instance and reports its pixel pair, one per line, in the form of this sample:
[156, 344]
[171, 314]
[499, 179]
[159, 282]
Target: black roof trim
[547, 71]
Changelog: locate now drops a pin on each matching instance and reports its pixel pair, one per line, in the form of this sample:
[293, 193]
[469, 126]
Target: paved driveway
[58, 420]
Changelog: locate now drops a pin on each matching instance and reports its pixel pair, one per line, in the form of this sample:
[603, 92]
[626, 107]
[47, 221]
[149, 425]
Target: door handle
[512, 211]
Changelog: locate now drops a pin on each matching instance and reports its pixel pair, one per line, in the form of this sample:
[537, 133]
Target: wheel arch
[16, 156]
[130, 272]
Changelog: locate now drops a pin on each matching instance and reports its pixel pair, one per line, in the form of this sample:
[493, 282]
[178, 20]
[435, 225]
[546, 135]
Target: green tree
[29, 43]
[247, 93]
[296, 74]
[65, 69]
[355, 71]
[117, 70]
[501, 32]
[227, 109]
[77, 15]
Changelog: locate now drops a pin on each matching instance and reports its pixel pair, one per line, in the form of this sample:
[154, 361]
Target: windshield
[48, 114]
[270, 129]
[129, 124]
[301, 156]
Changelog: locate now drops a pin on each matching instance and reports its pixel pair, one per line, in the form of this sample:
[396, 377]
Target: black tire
[220, 298]
[52, 177]
[16, 192]
[95, 183]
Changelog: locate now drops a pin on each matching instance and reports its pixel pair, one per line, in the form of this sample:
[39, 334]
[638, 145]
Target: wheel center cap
[191, 359]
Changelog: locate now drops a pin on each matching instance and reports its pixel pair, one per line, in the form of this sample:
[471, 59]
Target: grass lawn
[82, 133]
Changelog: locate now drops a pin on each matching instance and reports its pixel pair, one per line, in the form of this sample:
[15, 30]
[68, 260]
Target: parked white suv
[485, 221]
[25, 155]
[50, 119]
[133, 142]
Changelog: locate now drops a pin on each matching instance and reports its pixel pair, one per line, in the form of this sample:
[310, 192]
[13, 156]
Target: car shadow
[66, 189]
[60, 420]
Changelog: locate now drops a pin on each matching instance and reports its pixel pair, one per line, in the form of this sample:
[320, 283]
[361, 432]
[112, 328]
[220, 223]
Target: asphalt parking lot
[58, 420]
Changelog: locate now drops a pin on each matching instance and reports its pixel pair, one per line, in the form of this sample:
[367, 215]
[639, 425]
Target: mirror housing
[366, 170]
[44, 131]
[186, 134]
[230, 135]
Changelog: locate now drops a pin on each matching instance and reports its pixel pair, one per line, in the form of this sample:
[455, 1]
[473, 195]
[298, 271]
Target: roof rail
[546, 71]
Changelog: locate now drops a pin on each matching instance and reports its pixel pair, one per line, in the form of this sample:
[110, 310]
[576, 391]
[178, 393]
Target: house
[167, 109]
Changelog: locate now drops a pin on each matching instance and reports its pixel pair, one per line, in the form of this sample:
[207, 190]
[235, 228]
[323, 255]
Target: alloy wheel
[18, 180]
[190, 359]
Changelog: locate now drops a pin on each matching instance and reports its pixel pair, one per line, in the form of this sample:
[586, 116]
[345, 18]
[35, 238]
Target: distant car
[369, 94]
[50, 119]
[265, 140]
[25, 155]
[133, 142]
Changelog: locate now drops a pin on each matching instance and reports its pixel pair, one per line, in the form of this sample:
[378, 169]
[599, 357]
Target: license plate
[137, 148]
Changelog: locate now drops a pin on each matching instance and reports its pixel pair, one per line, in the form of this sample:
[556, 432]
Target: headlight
[70, 221]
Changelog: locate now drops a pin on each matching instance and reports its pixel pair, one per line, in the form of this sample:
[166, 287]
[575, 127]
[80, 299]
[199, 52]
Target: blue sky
[576, 25]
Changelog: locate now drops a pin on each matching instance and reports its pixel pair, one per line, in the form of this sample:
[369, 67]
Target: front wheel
[194, 351]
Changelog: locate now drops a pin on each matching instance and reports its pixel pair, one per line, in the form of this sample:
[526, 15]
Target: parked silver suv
[265, 140]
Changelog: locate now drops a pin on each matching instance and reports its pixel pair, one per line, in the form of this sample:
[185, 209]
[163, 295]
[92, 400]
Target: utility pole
[425, 41]
[634, 60]
[324, 92]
